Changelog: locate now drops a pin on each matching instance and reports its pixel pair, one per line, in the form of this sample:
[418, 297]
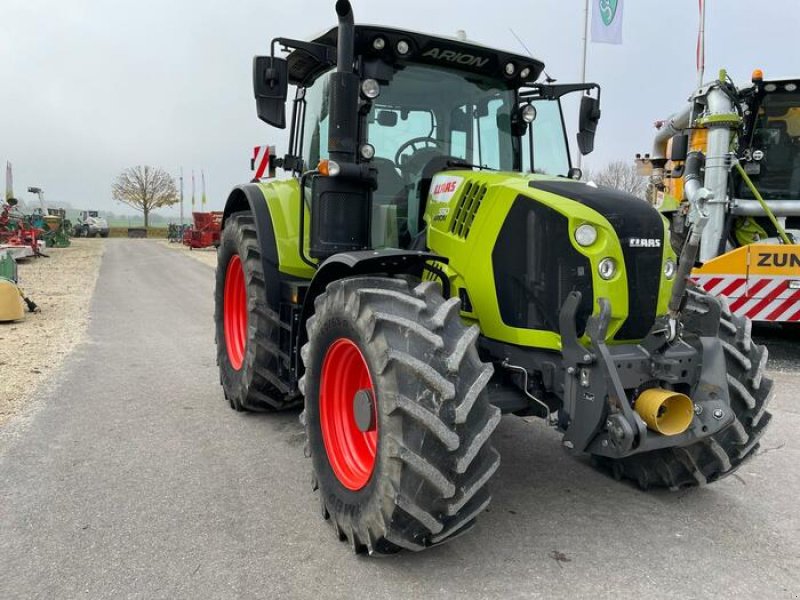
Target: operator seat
[780, 154]
[391, 192]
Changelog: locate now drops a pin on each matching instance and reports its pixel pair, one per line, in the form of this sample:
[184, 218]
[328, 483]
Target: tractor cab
[771, 152]
[411, 105]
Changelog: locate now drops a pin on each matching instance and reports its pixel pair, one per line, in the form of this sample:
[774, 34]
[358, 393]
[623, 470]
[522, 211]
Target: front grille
[536, 267]
[467, 208]
[631, 218]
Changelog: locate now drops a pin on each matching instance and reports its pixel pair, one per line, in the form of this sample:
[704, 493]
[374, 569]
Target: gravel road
[133, 479]
[32, 350]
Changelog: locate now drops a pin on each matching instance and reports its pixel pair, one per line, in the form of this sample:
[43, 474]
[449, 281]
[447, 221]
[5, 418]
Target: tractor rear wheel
[246, 327]
[715, 457]
[397, 418]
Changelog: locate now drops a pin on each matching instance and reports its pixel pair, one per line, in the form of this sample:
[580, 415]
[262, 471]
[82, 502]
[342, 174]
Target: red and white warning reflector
[260, 161]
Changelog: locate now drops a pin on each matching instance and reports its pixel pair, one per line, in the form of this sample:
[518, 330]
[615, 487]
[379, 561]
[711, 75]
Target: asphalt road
[132, 478]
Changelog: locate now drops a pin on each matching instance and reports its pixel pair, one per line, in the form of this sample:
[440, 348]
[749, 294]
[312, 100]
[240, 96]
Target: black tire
[255, 386]
[105, 234]
[720, 455]
[434, 421]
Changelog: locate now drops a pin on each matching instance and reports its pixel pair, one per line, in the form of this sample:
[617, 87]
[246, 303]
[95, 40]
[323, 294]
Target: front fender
[387, 261]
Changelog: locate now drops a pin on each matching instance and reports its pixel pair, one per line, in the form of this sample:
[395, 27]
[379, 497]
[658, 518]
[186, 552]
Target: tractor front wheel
[720, 455]
[397, 418]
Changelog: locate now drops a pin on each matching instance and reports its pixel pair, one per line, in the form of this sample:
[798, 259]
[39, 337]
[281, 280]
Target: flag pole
[203, 179]
[583, 62]
[701, 44]
[585, 39]
[181, 196]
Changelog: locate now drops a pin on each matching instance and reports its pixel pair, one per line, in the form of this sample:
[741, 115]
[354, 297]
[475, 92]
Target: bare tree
[622, 176]
[145, 189]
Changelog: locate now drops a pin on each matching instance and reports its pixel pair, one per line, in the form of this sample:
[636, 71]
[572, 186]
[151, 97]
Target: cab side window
[315, 123]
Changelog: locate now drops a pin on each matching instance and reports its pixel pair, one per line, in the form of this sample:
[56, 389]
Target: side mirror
[271, 86]
[587, 123]
[387, 118]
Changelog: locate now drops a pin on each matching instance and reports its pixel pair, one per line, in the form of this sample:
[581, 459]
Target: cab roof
[437, 51]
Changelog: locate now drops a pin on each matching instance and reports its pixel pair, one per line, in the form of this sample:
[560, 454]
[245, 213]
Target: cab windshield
[426, 114]
[776, 133]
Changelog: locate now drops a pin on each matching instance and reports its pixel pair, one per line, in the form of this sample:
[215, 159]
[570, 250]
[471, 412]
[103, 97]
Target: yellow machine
[729, 163]
[11, 304]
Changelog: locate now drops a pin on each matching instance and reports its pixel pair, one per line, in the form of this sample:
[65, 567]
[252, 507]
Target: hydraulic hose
[697, 196]
[746, 178]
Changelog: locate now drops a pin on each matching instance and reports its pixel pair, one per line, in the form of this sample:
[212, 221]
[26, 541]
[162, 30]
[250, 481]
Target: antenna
[521, 43]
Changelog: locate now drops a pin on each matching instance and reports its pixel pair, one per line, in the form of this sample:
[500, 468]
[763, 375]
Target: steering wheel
[425, 142]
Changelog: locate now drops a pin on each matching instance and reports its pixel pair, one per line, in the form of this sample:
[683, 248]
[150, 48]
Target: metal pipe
[717, 169]
[346, 34]
[779, 208]
[579, 158]
[673, 125]
[698, 196]
[507, 365]
[344, 92]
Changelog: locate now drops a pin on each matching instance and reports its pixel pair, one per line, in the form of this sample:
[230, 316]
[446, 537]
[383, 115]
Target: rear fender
[250, 198]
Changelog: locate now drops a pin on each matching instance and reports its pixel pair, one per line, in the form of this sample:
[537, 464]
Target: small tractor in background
[728, 164]
[90, 224]
[432, 262]
[205, 232]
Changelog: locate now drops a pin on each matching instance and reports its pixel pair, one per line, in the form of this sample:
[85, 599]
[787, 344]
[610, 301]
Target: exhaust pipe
[344, 91]
[665, 411]
[346, 35]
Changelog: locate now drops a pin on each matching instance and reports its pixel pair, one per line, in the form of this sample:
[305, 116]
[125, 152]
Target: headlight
[367, 151]
[370, 88]
[669, 268]
[402, 47]
[586, 235]
[528, 113]
[607, 268]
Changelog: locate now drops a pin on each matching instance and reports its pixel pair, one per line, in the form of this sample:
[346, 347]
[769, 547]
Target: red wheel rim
[351, 452]
[234, 306]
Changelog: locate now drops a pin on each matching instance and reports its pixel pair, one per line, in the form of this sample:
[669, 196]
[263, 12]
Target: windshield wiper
[463, 163]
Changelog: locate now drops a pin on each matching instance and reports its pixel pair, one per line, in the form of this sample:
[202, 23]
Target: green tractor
[431, 262]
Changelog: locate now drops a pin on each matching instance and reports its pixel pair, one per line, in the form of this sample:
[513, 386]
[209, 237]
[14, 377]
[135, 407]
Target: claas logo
[446, 187]
[778, 259]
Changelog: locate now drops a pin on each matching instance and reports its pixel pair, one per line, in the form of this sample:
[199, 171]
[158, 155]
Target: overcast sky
[89, 87]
